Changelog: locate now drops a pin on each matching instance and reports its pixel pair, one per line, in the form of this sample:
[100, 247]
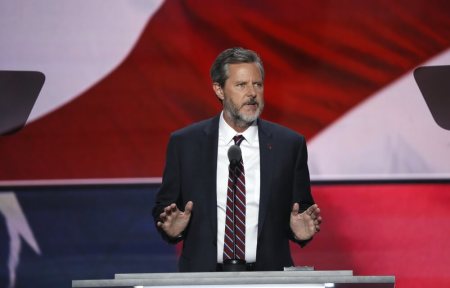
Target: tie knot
[238, 139]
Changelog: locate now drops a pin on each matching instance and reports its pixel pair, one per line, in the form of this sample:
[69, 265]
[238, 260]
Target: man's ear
[218, 90]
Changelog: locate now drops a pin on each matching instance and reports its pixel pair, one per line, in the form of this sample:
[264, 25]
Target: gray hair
[236, 55]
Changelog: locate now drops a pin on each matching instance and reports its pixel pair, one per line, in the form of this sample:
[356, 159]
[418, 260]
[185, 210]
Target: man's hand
[173, 221]
[305, 225]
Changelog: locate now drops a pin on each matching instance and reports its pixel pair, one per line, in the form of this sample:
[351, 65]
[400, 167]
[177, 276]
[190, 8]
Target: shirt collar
[226, 132]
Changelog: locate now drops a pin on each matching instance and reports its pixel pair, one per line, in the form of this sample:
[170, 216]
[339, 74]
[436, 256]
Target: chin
[249, 118]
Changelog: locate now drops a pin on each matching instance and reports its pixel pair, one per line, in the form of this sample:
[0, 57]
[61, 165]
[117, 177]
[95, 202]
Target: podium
[298, 279]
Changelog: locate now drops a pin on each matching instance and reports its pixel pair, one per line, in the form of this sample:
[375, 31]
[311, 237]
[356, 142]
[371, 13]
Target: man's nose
[251, 91]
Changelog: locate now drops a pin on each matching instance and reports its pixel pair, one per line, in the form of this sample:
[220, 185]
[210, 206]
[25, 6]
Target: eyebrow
[244, 82]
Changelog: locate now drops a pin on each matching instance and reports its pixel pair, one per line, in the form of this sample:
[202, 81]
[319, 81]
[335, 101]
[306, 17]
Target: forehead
[244, 71]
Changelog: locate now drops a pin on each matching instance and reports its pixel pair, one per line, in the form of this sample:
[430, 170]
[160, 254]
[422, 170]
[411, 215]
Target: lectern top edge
[233, 274]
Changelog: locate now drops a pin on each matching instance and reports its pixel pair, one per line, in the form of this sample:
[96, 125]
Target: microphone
[234, 155]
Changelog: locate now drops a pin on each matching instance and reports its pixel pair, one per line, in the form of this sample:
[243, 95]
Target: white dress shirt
[250, 157]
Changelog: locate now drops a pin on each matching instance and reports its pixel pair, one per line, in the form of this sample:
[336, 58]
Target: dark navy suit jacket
[190, 175]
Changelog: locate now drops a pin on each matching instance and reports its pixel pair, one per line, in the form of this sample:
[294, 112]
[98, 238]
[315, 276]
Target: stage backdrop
[122, 75]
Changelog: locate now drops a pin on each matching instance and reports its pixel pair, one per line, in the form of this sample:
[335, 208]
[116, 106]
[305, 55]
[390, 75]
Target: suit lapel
[266, 158]
[211, 131]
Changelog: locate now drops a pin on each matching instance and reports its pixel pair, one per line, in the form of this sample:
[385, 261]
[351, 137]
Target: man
[275, 185]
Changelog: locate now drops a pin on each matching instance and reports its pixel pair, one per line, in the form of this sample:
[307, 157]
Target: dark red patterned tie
[234, 243]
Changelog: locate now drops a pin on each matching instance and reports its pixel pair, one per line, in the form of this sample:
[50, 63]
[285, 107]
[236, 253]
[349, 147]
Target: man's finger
[168, 210]
[319, 219]
[316, 210]
[188, 207]
[311, 209]
[295, 209]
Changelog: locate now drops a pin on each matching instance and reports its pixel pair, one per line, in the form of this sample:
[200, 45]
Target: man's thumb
[295, 208]
[188, 207]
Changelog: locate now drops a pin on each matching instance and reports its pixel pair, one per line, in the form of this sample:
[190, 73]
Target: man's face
[242, 94]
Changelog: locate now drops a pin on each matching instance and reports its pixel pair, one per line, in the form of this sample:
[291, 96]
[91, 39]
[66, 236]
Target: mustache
[251, 102]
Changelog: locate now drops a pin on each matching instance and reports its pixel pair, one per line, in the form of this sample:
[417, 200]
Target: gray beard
[242, 121]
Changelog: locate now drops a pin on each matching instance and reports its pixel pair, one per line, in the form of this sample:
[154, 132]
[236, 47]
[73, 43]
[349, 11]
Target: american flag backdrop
[122, 75]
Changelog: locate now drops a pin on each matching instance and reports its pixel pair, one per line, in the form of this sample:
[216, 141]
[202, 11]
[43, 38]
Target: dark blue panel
[88, 233]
